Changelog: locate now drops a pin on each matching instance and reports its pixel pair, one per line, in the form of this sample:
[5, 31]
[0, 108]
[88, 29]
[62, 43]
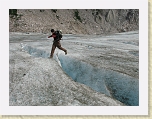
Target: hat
[52, 30]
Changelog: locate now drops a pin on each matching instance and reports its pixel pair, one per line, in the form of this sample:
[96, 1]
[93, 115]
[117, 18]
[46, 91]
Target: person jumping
[56, 42]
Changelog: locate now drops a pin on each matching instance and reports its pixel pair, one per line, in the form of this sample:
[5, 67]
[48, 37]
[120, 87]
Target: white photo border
[142, 109]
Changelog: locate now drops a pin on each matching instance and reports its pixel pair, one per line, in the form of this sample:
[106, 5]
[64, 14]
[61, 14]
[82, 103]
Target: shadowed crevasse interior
[114, 84]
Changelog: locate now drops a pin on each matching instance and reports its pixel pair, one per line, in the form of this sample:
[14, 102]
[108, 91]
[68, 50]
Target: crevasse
[114, 84]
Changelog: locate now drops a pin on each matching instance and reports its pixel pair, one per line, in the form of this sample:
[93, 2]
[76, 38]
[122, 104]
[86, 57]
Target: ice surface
[107, 64]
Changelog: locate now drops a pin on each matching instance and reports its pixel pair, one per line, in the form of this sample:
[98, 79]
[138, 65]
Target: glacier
[107, 64]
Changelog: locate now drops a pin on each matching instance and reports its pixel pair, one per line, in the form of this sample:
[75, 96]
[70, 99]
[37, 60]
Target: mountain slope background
[74, 21]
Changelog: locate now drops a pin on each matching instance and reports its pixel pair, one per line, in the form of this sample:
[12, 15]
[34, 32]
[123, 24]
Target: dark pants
[56, 44]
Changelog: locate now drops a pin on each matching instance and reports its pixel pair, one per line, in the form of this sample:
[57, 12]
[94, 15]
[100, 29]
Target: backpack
[58, 34]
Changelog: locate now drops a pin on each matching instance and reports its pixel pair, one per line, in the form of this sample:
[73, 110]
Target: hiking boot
[65, 52]
[51, 57]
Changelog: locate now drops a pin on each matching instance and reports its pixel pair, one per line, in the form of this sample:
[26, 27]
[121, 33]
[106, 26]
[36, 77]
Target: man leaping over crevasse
[56, 42]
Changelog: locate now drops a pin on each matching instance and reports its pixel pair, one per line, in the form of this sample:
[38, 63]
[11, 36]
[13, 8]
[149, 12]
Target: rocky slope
[74, 21]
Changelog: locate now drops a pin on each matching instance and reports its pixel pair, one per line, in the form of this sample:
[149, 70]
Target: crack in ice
[114, 84]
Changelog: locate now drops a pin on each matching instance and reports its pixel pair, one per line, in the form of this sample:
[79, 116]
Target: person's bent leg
[61, 48]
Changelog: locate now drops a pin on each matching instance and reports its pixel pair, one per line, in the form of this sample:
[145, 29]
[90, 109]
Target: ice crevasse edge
[116, 85]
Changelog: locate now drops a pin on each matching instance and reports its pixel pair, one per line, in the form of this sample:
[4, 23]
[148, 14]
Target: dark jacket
[56, 36]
